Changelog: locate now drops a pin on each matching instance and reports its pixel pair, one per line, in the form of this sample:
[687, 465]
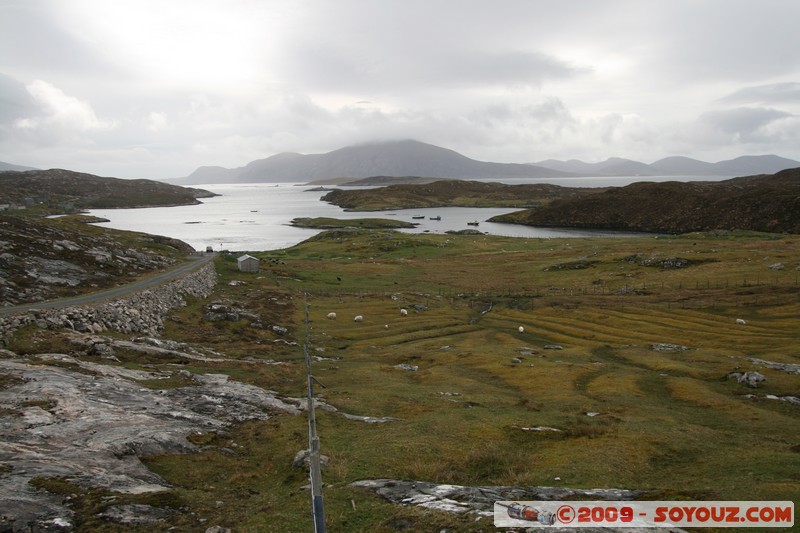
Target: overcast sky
[156, 88]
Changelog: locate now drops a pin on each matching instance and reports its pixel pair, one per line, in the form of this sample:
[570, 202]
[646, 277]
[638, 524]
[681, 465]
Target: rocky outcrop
[42, 259]
[88, 419]
[668, 347]
[789, 368]
[480, 500]
[142, 312]
[458, 498]
[751, 379]
[665, 263]
[90, 423]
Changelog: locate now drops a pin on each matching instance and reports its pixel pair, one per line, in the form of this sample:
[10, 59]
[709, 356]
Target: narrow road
[116, 292]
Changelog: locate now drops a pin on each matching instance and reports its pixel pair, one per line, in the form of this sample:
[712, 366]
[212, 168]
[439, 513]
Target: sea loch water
[256, 217]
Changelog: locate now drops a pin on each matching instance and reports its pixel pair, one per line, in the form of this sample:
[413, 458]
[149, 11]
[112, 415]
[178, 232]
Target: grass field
[591, 310]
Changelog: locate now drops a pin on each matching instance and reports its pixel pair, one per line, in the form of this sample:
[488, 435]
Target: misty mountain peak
[409, 157]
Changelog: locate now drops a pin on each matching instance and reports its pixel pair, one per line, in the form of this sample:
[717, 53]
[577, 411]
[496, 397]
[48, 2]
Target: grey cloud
[743, 121]
[515, 67]
[725, 39]
[550, 111]
[331, 67]
[517, 81]
[35, 39]
[15, 101]
[774, 93]
[326, 66]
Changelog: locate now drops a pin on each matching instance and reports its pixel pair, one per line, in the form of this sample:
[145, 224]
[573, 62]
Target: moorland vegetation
[640, 332]
[626, 351]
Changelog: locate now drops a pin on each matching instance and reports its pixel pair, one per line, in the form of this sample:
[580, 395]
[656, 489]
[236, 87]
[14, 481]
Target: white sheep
[404, 312]
[358, 318]
[740, 321]
[332, 316]
[521, 329]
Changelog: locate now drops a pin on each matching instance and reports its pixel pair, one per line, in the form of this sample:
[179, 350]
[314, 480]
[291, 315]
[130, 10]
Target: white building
[248, 263]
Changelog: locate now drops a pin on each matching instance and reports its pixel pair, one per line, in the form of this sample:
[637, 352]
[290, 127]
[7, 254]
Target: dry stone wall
[141, 312]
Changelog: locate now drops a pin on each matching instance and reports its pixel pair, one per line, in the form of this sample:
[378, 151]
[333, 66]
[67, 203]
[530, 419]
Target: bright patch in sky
[155, 89]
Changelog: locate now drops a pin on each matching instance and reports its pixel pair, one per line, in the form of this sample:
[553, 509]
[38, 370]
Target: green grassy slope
[667, 421]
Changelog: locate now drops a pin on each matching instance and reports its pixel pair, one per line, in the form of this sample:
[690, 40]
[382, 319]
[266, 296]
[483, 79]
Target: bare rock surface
[40, 260]
[90, 423]
[480, 500]
[789, 368]
[460, 498]
[751, 379]
[136, 514]
[302, 404]
[145, 345]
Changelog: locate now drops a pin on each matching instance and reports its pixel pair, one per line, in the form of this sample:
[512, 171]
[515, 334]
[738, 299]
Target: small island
[338, 223]
[453, 193]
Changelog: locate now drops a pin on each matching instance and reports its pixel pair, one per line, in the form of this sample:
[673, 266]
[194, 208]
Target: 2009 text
[646, 514]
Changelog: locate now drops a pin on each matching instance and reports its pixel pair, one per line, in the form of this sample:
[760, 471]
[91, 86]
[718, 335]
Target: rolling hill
[10, 166]
[60, 190]
[757, 203]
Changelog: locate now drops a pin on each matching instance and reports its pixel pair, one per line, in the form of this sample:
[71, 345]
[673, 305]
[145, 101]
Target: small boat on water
[436, 218]
[418, 217]
[472, 223]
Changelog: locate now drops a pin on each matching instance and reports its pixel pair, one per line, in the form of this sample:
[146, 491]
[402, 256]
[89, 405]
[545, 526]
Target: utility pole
[315, 469]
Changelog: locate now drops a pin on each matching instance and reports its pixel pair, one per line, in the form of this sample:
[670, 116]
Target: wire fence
[314, 466]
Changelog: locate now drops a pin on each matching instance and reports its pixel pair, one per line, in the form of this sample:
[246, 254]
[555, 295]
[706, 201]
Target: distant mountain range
[674, 166]
[396, 158]
[8, 166]
[414, 158]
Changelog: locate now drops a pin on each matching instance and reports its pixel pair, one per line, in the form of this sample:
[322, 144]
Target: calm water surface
[256, 216]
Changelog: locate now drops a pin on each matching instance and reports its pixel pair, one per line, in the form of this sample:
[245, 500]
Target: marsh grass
[9, 380]
[668, 422]
[174, 381]
[32, 340]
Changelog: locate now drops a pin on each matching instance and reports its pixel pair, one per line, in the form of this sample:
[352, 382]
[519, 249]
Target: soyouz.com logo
[644, 514]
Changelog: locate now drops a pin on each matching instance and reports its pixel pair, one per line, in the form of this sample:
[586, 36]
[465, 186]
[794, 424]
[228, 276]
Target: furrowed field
[625, 348]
